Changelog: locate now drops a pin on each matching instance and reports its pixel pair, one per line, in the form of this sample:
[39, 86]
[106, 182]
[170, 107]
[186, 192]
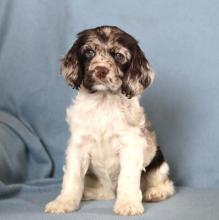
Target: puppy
[111, 152]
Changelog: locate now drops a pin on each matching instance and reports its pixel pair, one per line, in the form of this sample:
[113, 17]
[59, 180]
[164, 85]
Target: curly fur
[111, 152]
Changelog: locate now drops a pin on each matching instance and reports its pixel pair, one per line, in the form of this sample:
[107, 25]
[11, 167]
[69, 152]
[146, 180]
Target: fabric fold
[23, 158]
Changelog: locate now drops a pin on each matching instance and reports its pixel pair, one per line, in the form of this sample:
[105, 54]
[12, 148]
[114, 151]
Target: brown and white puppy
[111, 151]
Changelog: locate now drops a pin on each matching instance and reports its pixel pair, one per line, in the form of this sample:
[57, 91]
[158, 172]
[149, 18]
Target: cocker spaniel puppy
[111, 152]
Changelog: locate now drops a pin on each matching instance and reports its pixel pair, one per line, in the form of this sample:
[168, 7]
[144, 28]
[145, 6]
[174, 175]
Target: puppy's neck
[107, 99]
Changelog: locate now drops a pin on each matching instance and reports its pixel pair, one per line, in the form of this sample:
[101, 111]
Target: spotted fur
[112, 151]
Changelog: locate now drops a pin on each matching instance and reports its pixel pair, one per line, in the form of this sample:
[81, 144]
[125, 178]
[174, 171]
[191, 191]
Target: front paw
[61, 205]
[124, 207]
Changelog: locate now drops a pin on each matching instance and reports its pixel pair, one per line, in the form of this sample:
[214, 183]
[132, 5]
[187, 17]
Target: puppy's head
[107, 59]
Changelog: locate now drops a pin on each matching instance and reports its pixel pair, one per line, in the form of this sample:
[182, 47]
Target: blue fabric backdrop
[180, 38]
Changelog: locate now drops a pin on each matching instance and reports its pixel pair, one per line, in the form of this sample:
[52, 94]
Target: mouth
[107, 84]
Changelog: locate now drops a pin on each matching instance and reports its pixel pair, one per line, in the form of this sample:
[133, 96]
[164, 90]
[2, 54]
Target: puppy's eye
[89, 53]
[118, 56]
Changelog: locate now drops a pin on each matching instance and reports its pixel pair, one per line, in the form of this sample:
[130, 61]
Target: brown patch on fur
[70, 68]
[106, 40]
[137, 77]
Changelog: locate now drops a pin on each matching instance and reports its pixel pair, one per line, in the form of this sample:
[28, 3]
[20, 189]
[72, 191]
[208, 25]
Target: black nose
[101, 72]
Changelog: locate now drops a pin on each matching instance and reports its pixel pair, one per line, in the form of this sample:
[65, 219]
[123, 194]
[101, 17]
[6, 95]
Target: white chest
[97, 115]
[99, 121]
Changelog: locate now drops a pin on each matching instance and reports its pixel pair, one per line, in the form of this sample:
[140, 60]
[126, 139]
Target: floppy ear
[70, 68]
[139, 74]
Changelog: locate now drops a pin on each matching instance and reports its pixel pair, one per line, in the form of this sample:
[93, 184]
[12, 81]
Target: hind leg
[157, 185]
